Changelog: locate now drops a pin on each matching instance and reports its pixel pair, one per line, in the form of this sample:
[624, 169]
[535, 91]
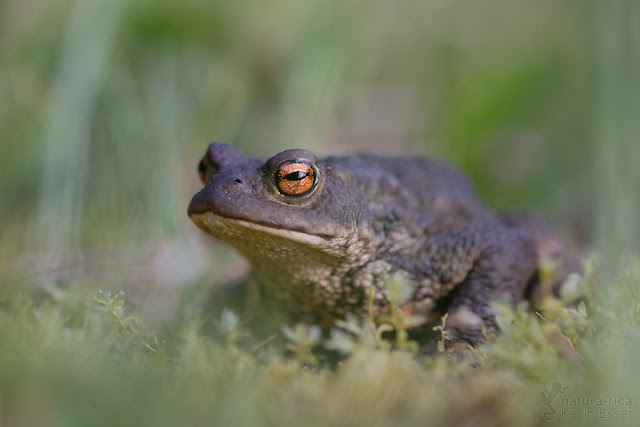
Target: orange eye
[202, 170]
[295, 178]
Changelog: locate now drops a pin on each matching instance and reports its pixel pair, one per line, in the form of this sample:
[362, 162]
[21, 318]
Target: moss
[105, 367]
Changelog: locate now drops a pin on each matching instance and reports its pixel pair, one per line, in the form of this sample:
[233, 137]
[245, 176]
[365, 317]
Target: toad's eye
[205, 169]
[202, 170]
[295, 178]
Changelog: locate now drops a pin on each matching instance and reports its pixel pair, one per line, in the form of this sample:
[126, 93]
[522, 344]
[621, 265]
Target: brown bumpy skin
[322, 236]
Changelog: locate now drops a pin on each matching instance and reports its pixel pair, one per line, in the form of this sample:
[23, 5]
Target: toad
[324, 237]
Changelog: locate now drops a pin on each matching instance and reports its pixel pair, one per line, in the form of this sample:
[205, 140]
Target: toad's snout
[219, 189]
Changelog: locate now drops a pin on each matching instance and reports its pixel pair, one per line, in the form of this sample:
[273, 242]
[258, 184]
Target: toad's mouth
[231, 229]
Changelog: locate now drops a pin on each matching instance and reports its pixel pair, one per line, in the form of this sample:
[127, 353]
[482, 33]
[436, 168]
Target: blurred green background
[106, 108]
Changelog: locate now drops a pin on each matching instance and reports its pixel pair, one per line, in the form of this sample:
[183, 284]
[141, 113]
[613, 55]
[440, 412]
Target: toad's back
[438, 192]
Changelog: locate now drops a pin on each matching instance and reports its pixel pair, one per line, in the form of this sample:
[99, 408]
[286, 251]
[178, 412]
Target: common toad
[320, 234]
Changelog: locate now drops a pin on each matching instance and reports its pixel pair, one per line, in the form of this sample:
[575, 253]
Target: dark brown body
[362, 221]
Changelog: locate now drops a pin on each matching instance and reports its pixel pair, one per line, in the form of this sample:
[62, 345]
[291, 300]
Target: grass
[87, 360]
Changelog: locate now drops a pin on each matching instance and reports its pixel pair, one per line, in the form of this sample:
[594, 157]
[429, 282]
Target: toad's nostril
[237, 180]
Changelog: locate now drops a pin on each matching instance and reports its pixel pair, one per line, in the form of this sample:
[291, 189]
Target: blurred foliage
[75, 361]
[106, 107]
